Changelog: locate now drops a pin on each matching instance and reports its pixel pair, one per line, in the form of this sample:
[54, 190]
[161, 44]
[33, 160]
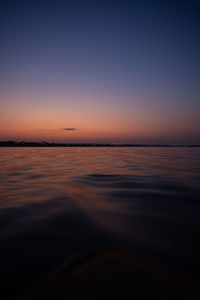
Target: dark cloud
[69, 128]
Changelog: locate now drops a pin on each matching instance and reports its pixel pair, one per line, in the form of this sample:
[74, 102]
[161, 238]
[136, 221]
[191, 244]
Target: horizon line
[11, 143]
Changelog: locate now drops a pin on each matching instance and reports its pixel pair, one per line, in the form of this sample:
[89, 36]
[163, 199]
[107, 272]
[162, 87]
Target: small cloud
[69, 128]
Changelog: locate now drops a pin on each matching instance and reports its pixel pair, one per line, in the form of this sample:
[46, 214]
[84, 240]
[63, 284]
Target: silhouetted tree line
[49, 144]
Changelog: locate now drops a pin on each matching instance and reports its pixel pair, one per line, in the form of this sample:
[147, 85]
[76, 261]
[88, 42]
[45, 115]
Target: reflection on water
[56, 202]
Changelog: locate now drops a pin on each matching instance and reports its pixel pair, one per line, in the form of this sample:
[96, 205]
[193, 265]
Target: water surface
[58, 202]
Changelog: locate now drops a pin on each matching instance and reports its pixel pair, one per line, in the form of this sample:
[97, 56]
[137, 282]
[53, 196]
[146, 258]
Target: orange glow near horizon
[102, 118]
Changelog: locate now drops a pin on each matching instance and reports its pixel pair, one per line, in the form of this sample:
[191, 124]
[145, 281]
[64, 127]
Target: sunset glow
[114, 80]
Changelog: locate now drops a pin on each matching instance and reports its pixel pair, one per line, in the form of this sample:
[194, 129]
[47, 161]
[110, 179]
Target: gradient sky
[113, 71]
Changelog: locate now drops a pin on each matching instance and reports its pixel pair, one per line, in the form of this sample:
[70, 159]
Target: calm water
[57, 202]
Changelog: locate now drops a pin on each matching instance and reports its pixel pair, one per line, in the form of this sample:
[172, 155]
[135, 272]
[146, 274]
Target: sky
[100, 71]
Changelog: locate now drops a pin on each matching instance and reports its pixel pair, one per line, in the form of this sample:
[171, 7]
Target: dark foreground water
[59, 202]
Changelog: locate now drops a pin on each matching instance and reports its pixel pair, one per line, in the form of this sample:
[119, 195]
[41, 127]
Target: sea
[58, 202]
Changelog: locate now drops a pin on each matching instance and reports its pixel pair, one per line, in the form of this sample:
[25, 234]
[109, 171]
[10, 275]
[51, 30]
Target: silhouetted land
[48, 144]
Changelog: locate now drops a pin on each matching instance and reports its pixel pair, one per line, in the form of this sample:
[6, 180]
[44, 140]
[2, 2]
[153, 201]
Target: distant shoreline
[47, 144]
